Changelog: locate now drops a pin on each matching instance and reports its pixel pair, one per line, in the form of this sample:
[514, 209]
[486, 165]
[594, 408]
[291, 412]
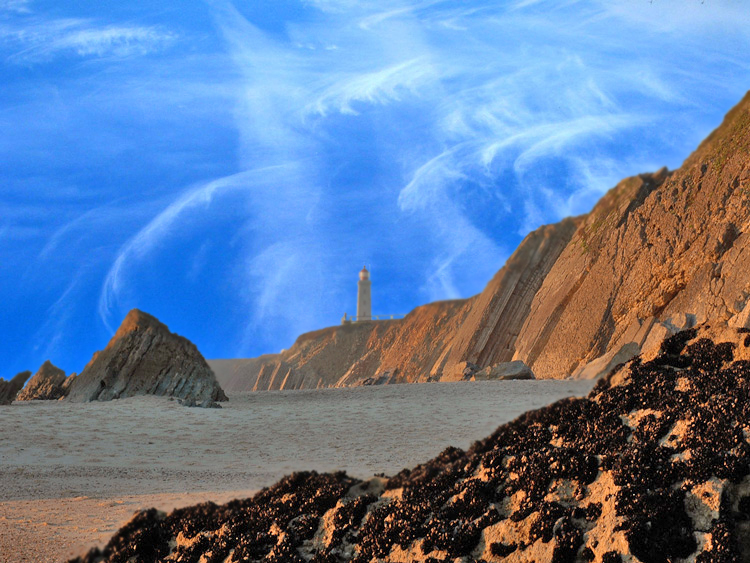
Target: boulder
[9, 389]
[505, 371]
[206, 404]
[145, 358]
[604, 364]
[48, 384]
[464, 371]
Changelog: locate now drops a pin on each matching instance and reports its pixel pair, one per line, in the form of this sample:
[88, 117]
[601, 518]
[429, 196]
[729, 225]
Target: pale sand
[72, 474]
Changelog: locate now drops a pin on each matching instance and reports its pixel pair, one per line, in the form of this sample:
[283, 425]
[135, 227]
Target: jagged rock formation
[590, 289]
[652, 466]
[145, 358]
[9, 389]
[48, 384]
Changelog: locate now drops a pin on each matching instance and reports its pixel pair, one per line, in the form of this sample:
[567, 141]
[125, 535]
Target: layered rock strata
[652, 466]
[595, 288]
[431, 343]
[145, 358]
[47, 384]
[9, 389]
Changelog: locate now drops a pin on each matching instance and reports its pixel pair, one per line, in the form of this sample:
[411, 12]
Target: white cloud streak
[34, 39]
[15, 6]
[150, 236]
[378, 87]
[483, 121]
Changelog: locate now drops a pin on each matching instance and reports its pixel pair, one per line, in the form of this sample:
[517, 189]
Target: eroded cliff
[658, 253]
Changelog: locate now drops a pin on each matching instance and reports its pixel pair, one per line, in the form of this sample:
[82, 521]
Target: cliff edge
[660, 252]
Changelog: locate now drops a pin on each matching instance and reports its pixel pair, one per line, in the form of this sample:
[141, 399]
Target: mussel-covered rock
[652, 466]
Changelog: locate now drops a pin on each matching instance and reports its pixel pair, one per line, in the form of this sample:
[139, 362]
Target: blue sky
[230, 166]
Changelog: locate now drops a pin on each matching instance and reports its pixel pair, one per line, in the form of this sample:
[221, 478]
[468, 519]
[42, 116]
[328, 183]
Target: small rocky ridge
[9, 389]
[145, 358]
[47, 384]
[652, 466]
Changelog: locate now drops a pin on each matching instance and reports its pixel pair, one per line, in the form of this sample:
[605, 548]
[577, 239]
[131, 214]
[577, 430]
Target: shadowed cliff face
[652, 466]
[145, 358]
[9, 389]
[658, 253]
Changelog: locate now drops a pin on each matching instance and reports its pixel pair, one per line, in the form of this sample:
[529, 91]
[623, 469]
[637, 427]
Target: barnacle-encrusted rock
[145, 358]
[652, 466]
[48, 384]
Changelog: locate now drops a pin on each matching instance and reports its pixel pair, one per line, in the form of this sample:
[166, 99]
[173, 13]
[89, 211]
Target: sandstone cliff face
[431, 343]
[9, 389]
[383, 351]
[658, 253]
[652, 466]
[489, 333]
[655, 247]
[48, 384]
[145, 358]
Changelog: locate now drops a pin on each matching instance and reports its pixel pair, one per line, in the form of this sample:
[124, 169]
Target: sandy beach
[72, 474]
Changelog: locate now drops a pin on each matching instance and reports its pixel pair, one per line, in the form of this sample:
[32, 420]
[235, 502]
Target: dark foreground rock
[48, 384]
[9, 389]
[652, 466]
[145, 358]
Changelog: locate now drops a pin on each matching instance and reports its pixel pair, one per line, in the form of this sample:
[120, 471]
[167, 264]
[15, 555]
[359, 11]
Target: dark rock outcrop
[48, 384]
[145, 358]
[654, 464]
[9, 389]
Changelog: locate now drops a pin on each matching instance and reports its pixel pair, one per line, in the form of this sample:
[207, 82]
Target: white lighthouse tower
[364, 301]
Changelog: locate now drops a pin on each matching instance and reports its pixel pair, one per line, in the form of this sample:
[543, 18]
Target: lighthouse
[364, 301]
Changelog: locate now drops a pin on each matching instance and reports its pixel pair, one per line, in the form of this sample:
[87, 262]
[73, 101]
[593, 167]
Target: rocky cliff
[9, 389]
[145, 358]
[433, 342]
[48, 384]
[654, 248]
[658, 253]
[652, 466]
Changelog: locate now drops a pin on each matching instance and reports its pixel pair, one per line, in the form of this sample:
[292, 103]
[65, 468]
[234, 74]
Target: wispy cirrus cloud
[153, 233]
[378, 87]
[271, 149]
[15, 6]
[256, 216]
[33, 39]
[500, 104]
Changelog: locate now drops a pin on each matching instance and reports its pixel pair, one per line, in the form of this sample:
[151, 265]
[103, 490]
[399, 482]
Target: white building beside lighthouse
[364, 299]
